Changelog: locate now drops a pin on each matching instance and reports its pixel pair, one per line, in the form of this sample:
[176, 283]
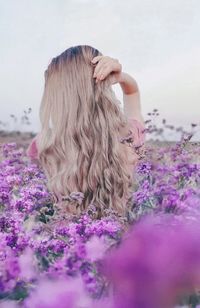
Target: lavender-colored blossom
[60, 293]
[39, 241]
[144, 168]
[158, 261]
[27, 264]
[96, 248]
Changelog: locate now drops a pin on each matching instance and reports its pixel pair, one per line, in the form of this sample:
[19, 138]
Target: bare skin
[108, 67]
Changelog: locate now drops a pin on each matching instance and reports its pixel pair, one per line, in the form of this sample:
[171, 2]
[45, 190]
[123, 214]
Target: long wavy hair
[81, 125]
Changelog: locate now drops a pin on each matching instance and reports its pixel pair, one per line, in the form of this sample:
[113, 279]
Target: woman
[86, 143]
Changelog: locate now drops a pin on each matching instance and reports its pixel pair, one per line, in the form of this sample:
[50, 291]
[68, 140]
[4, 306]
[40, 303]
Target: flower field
[149, 259]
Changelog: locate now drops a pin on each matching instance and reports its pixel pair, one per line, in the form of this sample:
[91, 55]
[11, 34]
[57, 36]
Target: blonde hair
[79, 146]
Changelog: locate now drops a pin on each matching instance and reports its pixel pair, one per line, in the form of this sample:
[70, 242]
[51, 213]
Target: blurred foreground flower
[158, 261]
[61, 293]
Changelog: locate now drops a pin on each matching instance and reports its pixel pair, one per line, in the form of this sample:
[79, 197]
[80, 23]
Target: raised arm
[132, 110]
[131, 97]
[107, 67]
[111, 68]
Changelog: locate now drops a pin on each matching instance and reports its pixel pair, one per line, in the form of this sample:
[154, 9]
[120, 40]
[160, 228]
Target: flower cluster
[49, 258]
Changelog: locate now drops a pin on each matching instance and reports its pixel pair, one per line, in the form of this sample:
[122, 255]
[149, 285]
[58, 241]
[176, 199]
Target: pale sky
[158, 43]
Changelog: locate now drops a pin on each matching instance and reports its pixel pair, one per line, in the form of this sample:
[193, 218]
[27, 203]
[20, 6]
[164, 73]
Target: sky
[158, 43]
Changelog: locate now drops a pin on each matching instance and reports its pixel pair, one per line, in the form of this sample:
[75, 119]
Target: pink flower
[96, 248]
[60, 293]
[27, 264]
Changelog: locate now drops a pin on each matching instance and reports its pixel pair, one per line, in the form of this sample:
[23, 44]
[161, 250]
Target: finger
[97, 58]
[103, 73]
[103, 64]
[100, 66]
[101, 59]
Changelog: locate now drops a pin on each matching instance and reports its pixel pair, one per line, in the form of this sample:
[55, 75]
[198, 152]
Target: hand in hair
[105, 67]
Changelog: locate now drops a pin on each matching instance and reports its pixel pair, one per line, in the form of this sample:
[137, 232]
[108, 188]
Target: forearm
[127, 83]
[131, 96]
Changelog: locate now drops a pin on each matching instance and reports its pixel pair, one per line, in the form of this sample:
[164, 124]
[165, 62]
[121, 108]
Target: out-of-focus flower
[9, 304]
[158, 261]
[96, 248]
[27, 264]
[61, 293]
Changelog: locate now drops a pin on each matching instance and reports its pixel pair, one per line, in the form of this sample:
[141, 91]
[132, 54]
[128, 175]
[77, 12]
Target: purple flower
[60, 293]
[144, 168]
[157, 261]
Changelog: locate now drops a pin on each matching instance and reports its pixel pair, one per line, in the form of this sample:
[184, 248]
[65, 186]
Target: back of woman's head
[79, 146]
